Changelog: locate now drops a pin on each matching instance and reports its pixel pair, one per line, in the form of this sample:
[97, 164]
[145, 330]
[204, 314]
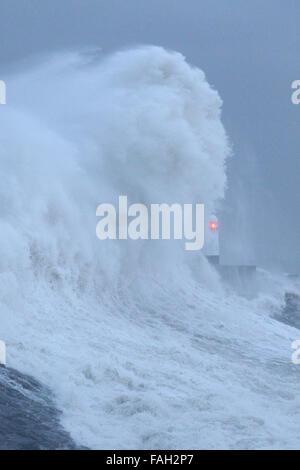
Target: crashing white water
[141, 343]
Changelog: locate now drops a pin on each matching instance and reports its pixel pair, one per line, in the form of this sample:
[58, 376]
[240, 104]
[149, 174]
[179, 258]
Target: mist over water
[137, 339]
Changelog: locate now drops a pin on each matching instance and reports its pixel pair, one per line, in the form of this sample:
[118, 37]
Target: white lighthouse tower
[211, 244]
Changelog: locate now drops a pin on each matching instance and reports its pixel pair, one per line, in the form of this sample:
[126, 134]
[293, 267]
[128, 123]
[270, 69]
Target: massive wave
[140, 341]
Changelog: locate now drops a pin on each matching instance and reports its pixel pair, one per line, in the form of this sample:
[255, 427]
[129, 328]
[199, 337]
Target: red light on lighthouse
[213, 225]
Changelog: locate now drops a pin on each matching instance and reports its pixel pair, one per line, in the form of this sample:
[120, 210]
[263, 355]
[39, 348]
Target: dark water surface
[28, 416]
[291, 311]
